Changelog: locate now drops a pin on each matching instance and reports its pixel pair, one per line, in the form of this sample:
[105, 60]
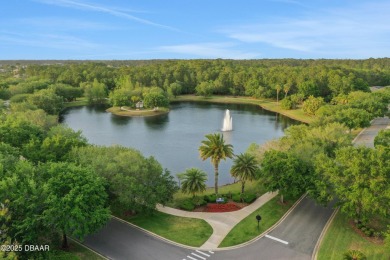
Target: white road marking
[201, 257]
[203, 253]
[277, 239]
[190, 257]
[211, 252]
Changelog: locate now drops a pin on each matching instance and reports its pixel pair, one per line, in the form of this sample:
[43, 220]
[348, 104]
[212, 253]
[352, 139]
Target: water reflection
[174, 138]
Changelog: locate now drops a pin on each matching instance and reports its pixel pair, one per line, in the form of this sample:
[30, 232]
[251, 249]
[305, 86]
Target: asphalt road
[300, 230]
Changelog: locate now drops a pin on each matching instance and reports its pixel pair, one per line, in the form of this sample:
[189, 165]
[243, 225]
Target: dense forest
[257, 78]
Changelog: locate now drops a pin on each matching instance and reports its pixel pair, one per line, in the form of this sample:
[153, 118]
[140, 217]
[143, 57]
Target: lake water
[173, 139]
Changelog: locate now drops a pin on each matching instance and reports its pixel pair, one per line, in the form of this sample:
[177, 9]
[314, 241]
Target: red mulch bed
[217, 207]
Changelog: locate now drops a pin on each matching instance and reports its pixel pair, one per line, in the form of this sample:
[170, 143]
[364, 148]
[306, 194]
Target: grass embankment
[247, 229]
[266, 104]
[341, 237]
[77, 103]
[187, 231]
[75, 252]
[135, 113]
[254, 187]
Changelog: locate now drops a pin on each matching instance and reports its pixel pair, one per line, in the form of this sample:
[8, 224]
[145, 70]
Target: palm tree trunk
[216, 178]
[242, 186]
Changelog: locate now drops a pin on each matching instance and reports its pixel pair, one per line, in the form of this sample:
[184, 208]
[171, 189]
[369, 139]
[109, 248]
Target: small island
[126, 111]
[125, 103]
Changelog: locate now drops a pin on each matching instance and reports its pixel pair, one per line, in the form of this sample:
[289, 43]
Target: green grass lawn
[270, 105]
[255, 187]
[247, 229]
[187, 231]
[75, 252]
[341, 237]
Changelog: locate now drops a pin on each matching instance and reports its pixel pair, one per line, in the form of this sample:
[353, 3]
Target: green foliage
[357, 177]
[312, 104]
[19, 98]
[17, 133]
[383, 138]
[245, 167]
[354, 255]
[287, 103]
[95, 92]
[121, 97]
[205, 89]
[59, 141]
[175, 89]
[215, 148]
[47, 100]
[67, 92]
[154, 99]
[284, 172]
[76, 200]
[136, 182]
[193, 181]
[187, 205]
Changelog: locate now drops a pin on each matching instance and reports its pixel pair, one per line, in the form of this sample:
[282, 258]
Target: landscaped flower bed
[227, 207]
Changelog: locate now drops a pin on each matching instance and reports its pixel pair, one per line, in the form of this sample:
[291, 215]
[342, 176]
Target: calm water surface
[174, 139]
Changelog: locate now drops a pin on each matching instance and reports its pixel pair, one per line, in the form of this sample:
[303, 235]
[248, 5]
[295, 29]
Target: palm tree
[278, 89]
[214, 147]
[193, 181]
[245, 167]
[354, 255]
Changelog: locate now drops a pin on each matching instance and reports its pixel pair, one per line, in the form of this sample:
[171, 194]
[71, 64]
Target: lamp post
[258, 218]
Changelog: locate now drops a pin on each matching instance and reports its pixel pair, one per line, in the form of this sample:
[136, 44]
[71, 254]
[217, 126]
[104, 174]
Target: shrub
[199, 201]
[354, 255]
[187, 205]
[249, 198]
[19, 98]
[210, 198]
[236, 197]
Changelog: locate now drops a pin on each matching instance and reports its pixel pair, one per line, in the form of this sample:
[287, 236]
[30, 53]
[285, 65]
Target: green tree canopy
[358, 177]
[285, 172]
[76, 202]
[136, 182]
[47, 100]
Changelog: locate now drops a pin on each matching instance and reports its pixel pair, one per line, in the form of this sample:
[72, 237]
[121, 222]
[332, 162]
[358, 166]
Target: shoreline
[269, 105]
[118, 111]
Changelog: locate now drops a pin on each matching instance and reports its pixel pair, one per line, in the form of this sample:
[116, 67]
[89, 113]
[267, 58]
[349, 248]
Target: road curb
[87, 247]
[323, 232]
[155, 235]
[266, 231]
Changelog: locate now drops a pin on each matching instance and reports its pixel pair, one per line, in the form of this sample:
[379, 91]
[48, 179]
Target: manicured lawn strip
[187, 231]
[255, 187]
[147, 112]
[270, 105]
[247, 229]
[341, 237]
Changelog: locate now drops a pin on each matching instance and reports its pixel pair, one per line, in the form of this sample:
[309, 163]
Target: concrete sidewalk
[221, 223]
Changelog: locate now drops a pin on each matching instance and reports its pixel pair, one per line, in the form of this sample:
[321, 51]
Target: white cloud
[358, 29]
[102, 9]
[209, 50]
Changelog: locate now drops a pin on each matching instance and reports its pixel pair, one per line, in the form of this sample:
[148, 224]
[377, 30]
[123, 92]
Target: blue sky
[190, 29]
